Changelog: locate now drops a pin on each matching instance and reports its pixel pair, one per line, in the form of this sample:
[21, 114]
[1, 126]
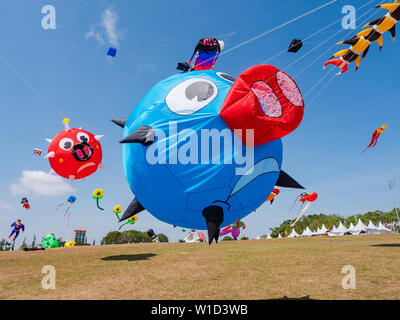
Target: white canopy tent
[358, 228]
[279, 236]
[269, 236]
[339, 231]
[293, 234]
[307, 233]
[383, 229]
[371, 228]
[323, 229]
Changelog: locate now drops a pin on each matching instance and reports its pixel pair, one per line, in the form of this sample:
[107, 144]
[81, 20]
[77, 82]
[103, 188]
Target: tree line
[130, 236]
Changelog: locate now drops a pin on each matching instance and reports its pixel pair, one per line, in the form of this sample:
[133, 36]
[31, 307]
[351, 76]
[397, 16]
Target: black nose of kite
[82, 151]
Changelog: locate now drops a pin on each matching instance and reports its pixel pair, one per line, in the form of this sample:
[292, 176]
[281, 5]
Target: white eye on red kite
[83, 137]
[269, 102]
[191, 95]
[66, 144]
[289, 89]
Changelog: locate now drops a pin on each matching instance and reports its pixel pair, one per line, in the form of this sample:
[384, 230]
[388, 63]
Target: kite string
[32, 88]
[325, 86]
[330, 80]
[315, 33]
[320, 56]
[277, 27]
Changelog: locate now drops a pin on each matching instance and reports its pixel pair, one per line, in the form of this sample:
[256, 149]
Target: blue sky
[68, 69]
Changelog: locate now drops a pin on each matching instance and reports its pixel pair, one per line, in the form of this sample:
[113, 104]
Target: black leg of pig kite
[214, 216]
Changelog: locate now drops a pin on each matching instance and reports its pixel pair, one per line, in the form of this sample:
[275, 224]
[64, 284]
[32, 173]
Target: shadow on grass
[129, 257]
[287, 298]
[389, 245]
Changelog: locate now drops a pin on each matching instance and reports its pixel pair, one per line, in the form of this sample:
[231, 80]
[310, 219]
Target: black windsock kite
[295, 45]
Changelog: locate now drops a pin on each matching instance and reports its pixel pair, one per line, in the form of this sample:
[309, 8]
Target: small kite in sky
[69, 202]
[97, 195]
[112, 52]
[37, 151]
[295, 45]
[25, 203]
[304, 197]
[375, 136]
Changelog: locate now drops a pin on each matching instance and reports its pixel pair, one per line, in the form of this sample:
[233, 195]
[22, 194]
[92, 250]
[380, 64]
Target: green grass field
[255, 269]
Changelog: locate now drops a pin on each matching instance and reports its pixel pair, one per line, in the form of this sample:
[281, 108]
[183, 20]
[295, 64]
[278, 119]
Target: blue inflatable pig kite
[202, 149]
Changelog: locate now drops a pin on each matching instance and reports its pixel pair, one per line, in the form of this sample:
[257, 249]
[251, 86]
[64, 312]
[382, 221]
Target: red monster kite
[74, 153]
[375, 137]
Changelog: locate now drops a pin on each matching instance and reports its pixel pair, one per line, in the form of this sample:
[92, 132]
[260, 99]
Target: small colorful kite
[37, 151]
[375, 137]
[273, 194]
[204, 56]
[69, 202]
[117, 209]
[304, 197]
[98, 194]
[25, 203]
[112, 52]
[233, 229]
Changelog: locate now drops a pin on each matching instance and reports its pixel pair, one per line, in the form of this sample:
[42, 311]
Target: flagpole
[391, 184]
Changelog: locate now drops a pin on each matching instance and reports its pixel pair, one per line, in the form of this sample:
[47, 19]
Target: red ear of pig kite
[265, 99]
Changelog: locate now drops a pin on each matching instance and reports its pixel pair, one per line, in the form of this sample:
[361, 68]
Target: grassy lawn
[255, 269]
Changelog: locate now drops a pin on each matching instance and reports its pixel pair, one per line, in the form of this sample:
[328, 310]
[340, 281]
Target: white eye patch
[191, 95]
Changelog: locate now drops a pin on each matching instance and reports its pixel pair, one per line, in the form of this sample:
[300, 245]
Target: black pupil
[227, 77]
[67, 145]
[201, 90]
[84, 139]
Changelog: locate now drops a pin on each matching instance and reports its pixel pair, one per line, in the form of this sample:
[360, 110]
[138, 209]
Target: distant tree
[94, 243]
[2, 244]
[112, 237]
[61, 242]
[227, 238]
[33, 242]
[145, 237]
[23, 245]
[131, 236]
[244, 238]
[162, 237]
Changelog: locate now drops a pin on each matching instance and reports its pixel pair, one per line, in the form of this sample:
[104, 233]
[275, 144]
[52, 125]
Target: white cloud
[109, 19]
[41, 184]
[109, 22]
[95, 35]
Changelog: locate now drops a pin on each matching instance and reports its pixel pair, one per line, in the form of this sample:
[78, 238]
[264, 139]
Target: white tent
[279, 236]
[358, 228]
[383, 229]
[339, 231]
[258, 238]
[293, 234]
[323, 230]
[371, 228]
[269, 236]
[307, 233]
